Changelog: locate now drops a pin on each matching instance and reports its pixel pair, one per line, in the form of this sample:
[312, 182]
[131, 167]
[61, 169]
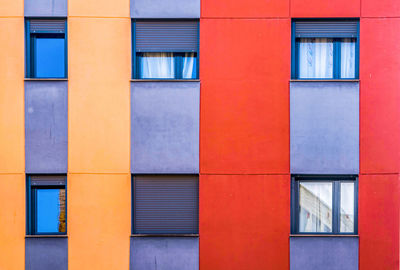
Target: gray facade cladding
[46, 253]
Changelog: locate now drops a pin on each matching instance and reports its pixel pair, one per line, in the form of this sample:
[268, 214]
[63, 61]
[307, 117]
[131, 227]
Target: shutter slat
[166, 204]
[47, 26]
[329, 29]
[166, 36]
[47, 180]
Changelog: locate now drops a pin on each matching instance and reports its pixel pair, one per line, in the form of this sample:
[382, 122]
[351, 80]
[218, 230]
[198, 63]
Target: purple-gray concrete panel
[46, 126]
[164, 253]
[323, 253]
[45, 8]
[46, 253]
[165, 9]
[324, 127]
[165, 127]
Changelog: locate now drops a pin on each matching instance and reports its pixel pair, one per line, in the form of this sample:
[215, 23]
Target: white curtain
[316, 58]
[348, 58]
[189, 66]
[157, 66]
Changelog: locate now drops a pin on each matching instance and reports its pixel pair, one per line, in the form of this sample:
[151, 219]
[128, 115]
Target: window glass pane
[315, 201]
[50, 207]
[347, 207]
[157, 66]
[348, 58]
[189, 66]
[49, 58]
[315, 58]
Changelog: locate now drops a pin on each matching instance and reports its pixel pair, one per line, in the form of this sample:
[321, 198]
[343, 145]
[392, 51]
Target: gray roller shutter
[47, 26]
[330, 29]
[47, 180]
[165, 204]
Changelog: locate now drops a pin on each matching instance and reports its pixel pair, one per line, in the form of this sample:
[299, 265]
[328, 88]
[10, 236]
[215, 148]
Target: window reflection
[347, 207]
[49, 57]
[51, 214]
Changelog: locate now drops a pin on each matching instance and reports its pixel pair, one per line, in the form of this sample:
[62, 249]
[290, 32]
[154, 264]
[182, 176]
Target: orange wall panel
[324, 8]
[12, 95]
[245, 68]
[244, 222]
[99, 8]
[11, 8]
[379, 200]
[245, 8]
[12, 222]
[99, 95]
[379, 95]
[99, 221]
[381, 8]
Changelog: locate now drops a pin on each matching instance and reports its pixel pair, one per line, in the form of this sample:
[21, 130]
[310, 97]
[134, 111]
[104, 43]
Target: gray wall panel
[164, 253]
[46, 126]
[46, 8]
[327, 253]
[165, 9]
[165, 127]
[46, 253]
[324, 127]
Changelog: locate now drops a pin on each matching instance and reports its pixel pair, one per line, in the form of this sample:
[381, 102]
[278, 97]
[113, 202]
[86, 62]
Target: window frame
[295, 63]
[32, 201]
[178, 59]
[30, 38]
[336, 181]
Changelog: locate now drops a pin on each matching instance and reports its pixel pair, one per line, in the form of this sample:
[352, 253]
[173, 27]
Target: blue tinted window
[50, 210]
[49, 57]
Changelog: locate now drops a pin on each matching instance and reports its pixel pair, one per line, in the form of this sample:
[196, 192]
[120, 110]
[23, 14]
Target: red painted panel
[325, 8]
[244, 71]
[379, 199]
[244, 222]
[381, 8]
[379, 95]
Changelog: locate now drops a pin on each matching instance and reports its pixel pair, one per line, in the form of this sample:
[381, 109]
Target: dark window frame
[31, 201]
[295, 63]
[336, 180]
[30, 39]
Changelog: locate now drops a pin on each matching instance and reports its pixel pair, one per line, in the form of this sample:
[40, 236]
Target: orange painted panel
[12, 222]
[12, 95]
[99, 95]
[244, 222]
[245, 8]
[11, 8]
[381, 8]
[99, 221]
[324, 8]
[99, 8]
[379, 201]
[245, 69]
[379, 95]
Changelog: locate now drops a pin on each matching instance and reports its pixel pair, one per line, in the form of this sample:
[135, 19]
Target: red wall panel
[381, 8]
[325, 8]
[245, 68]
[244, 222]
[379, 199]
[380, 95]
[245, 8]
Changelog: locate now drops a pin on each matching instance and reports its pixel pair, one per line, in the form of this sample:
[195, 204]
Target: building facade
[199, 134]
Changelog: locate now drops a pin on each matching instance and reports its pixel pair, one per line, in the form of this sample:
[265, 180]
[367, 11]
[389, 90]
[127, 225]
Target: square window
[46, 49]
[46, 205]
[165, 49]
[325, 49]
[324, 205]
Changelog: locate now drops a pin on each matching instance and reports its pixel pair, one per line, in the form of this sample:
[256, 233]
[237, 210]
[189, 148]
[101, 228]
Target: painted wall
[384, 8]
[46, 253]
[165, 9]
[165, 127]
[324, 124]
[244, 96]
[99, 8]
[46, 126]
[328, 253]
[164, 253]
[325, 9]
[45, 8]
[244, 222]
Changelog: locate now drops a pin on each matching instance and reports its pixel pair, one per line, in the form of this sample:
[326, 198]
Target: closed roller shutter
[330, 29]
[47, 26]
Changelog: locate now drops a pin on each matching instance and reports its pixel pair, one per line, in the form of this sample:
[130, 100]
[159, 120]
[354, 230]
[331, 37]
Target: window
[46, 205]
[325, 49]
[46, 48]
[165, 204]
[324, 205]
[165, 49]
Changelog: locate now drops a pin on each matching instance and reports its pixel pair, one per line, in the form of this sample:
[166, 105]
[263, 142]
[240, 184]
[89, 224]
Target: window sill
[166, 80]
[165, 235]
[324, 235]
[324, 80]
[46, 79]
[46, 236]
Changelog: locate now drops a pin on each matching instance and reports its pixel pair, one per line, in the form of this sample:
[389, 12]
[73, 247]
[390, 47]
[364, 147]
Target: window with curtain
[165, 49]
[325, 49]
